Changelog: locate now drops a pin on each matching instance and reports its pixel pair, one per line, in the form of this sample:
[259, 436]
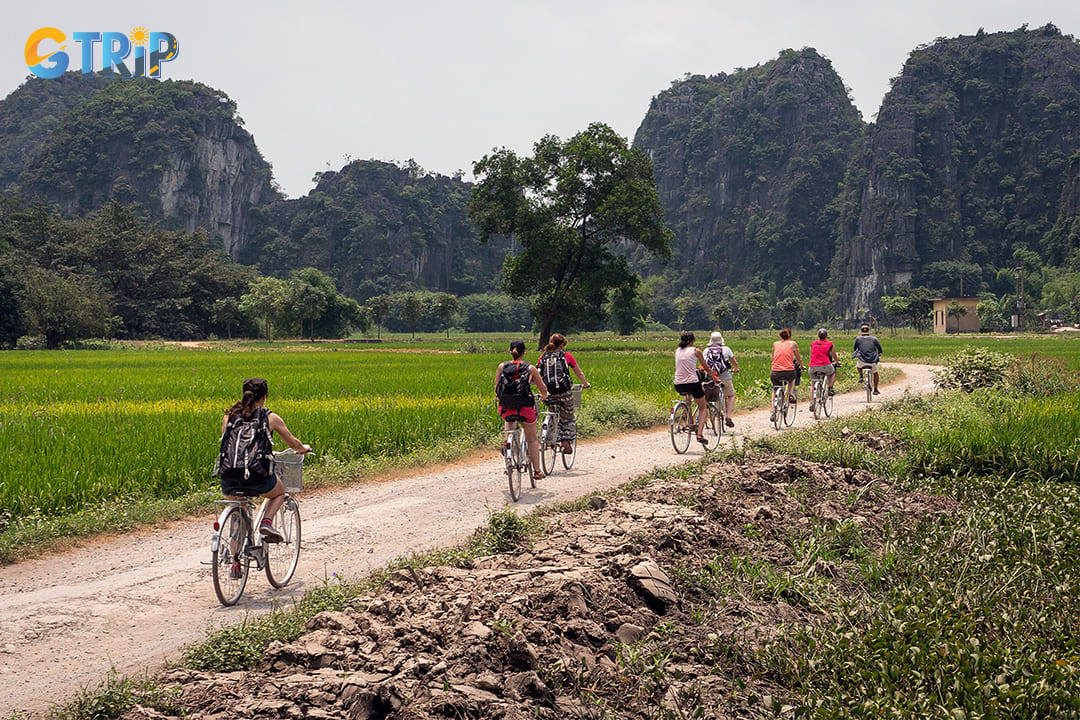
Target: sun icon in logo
[139, 35]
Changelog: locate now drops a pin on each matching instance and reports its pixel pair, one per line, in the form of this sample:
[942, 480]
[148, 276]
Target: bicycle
[868, 381]
[516, 456]
[235, 544]
[684, 423]
[549, 433]
[783, 411]
[821, 401]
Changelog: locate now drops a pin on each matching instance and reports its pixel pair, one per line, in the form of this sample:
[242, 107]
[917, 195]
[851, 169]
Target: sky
[323, 82]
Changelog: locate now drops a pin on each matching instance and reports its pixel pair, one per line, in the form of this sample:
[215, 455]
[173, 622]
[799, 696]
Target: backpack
[717, 359]
[555, 371]
[513, 387]
[246, 447]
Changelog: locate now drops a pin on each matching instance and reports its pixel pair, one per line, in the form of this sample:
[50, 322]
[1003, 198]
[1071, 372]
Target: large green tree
[567, 206]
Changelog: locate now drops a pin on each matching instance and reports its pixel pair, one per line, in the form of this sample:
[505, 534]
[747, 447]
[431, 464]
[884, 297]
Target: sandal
[538, 475]
[701, 439]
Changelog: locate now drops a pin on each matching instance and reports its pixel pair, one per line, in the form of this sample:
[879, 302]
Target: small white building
[966, 323]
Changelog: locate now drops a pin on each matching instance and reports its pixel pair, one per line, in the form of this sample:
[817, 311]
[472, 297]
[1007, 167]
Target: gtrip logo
[46, 58]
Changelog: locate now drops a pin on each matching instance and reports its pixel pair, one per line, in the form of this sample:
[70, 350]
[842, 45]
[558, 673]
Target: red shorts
[529, 413]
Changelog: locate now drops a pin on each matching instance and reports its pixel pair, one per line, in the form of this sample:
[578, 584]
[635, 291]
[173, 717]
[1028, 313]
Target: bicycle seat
[515, 418]
[818, 374]
[243, 493]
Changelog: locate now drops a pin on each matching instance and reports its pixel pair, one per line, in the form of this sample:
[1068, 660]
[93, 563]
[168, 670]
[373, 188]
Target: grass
[969, 614]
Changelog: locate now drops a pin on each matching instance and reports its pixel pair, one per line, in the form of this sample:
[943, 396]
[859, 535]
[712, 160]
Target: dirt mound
[604, 613]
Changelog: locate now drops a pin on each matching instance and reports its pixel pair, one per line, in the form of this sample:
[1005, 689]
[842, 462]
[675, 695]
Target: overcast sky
[443, 83]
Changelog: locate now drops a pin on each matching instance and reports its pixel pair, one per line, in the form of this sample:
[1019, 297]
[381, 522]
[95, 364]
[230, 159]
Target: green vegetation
[570, 206]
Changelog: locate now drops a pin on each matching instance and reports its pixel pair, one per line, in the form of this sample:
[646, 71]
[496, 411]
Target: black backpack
[555, 371]
[513, 387]
[247, 448]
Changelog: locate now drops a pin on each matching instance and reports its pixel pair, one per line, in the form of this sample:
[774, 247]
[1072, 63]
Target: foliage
[115, 696]
[972, 368]
[112, 273]
[567, 205]
[376, 228]
[748, 164]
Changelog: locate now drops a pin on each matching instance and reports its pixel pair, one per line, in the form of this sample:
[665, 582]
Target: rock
[653, 583]
[629, 633]
[477, 629]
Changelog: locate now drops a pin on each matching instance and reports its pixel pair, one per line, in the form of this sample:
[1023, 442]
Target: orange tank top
[783, 355]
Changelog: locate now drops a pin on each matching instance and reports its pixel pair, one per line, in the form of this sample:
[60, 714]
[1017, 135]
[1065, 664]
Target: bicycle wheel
[548, 447]
[680, 427]
[568, 458]
[789, 411]
[282, 557]
[827, 402]
[714, 427]
[229, 559]
[816, 404]
[513, 469]
[778, 406]
[868, 381]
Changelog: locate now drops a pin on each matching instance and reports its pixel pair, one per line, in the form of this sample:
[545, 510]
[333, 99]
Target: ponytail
[254, 390]
[557, 341]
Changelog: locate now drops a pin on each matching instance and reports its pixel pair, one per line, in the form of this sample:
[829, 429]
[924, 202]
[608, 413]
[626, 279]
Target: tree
[305, 302]
[955, 310]
[61, 307]
[268, 298]
[627, 307]
[789, 309]
[445, 307]
[226, 311]
[567, 205]
[412, 309]
[751, 307]
[379, 307]
[920, 305]
[895, 307]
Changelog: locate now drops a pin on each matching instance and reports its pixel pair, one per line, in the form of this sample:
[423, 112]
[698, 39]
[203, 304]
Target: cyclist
[722, 360]
[251, 405]
[555, 365]
[515, 398]
[785, 357]
[867, 352]
[687, 383]
[823, 358]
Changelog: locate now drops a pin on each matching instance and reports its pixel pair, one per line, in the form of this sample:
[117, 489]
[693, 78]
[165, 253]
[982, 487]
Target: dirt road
[130, 602]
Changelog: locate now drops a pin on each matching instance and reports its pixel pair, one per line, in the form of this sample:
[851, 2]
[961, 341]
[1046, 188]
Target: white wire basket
[289, 467]
[576, 390]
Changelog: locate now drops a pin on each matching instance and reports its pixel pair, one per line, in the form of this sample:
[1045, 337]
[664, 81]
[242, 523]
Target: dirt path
[130, 602]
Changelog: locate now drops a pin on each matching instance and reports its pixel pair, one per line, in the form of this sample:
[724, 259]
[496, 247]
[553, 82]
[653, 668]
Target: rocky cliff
[746, 166]
[177, 149]
[378, 228]
[968, 161]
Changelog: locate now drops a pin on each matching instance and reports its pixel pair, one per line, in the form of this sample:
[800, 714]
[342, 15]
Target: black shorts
[254, 485]
[781, 377]
[694, 389]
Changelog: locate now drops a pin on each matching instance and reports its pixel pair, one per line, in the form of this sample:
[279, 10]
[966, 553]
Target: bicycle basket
[289, 468]
[576, 395]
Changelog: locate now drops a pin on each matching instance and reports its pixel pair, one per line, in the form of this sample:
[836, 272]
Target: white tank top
[685, 365]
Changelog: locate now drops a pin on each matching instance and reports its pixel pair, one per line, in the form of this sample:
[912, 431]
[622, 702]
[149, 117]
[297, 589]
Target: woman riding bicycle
[516, 399]
[687, 383]
[555, 366]
[823, 358]
[253, 406]
[785, 356]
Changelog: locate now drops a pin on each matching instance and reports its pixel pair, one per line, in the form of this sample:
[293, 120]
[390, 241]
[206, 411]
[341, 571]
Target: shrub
[1041, 376]
[972, 368]
[603, 413]
[31, 342]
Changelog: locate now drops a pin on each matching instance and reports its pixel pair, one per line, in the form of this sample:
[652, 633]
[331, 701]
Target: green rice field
[85, 428]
